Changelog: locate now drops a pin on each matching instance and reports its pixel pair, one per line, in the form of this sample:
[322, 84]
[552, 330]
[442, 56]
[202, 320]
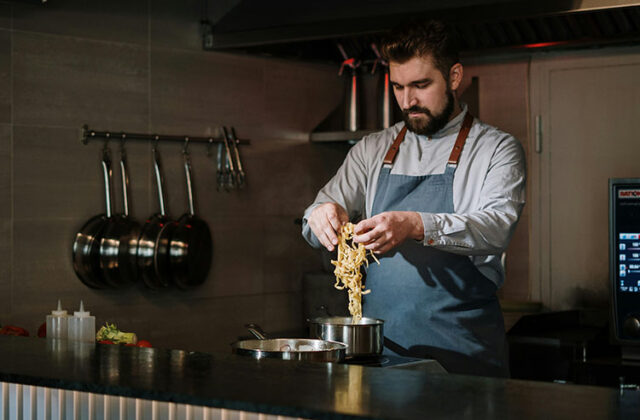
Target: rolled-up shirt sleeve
[488, 229]
[346, 188]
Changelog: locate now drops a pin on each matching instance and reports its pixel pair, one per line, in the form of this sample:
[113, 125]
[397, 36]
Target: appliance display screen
[627, 226]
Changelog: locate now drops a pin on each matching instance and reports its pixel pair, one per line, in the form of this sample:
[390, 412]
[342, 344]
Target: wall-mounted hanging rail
[89, 134]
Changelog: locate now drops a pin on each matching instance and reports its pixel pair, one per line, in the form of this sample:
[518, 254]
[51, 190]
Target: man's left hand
[387, 230]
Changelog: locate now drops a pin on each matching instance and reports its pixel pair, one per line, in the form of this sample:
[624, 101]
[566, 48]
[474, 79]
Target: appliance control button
[632, 326]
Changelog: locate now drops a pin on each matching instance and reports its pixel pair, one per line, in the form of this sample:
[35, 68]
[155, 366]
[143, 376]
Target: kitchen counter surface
[310, 390]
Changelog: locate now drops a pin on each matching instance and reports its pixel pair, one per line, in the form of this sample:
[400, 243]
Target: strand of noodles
[348, 276]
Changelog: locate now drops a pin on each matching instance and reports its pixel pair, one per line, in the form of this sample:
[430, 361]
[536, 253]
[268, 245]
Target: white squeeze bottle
[82, 326]
[57, 323]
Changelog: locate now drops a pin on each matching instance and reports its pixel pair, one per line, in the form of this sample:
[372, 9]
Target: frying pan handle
[256, 331]
[124, 178]
[106, 171]
[156, 167]
[187, 173]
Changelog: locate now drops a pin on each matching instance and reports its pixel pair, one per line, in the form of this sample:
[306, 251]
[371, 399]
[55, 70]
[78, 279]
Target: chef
[437, 197]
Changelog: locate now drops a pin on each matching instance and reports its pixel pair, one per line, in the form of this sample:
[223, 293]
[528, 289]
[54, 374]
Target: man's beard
[434, 123]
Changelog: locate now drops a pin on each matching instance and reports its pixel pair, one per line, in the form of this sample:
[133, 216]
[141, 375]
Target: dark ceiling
[309, 30]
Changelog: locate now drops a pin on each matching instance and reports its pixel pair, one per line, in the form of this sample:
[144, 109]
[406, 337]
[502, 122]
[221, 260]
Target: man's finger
[342, 216]
[331, 235]
[334, 221]
[364, 226]
[325, 241]
[368, 236]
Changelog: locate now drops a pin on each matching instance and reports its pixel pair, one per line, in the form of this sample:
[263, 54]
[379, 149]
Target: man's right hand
[325, 221]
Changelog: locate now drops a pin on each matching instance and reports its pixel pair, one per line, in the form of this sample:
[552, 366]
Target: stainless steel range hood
[309, 30]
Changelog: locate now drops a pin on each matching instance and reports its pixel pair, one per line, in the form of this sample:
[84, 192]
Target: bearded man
[437, 197]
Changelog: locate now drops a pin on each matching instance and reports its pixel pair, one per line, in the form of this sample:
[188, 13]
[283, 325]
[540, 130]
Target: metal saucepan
[119, 242]
[363, 339]
[153, 244]
[302, 349]
[86, 246]
[191, 245]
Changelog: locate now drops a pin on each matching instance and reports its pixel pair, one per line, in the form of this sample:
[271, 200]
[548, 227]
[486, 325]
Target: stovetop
[400, 362]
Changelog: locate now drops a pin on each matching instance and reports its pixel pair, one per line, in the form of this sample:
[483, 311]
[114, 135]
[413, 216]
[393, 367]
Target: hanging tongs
[233, 140]
[221, 168]
[225, 170]
[230, 182]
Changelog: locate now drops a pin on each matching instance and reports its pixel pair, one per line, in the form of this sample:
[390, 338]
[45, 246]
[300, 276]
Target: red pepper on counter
[13, 330]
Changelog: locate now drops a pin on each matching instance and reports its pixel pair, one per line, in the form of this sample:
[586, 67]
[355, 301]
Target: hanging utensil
[191, 245]
[86, 246]
[153, 245]
[119, 243]
[221, 167]
[233, 139]
[231, 173]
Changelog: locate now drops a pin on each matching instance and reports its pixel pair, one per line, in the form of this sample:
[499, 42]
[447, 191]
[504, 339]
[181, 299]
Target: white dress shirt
[488, 188]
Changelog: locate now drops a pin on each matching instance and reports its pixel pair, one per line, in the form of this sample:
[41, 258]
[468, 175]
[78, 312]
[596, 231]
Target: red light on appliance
[543, 44]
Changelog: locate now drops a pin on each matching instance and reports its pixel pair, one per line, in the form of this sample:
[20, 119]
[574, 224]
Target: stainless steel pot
[366, 338]
[302, 349]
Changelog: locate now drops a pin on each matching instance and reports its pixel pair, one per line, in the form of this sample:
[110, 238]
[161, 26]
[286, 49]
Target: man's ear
[455, 76]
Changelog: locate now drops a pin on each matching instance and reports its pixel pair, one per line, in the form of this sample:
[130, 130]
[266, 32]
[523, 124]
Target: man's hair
[420, 39]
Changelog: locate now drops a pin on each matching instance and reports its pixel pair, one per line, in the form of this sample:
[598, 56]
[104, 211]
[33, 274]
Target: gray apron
[435, 304]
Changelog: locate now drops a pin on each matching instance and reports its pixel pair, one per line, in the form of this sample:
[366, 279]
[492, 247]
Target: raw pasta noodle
[348, 276]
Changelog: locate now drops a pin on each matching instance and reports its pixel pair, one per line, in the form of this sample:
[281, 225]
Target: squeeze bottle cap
[81, 313]
[59, 311]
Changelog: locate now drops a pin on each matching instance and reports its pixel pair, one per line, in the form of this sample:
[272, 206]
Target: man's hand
[387, 230]
[325, 221]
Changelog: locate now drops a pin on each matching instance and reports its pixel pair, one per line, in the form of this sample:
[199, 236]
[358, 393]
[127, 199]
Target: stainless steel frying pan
[86, 246]
[301, 349]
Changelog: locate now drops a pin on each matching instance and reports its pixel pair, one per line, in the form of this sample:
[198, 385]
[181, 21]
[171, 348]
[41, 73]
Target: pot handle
[256, 331]
[106, 171]
[124, 178]
[187, 175]
[158, 173]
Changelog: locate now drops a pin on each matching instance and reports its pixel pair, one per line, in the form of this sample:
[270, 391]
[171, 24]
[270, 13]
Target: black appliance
[624, 263]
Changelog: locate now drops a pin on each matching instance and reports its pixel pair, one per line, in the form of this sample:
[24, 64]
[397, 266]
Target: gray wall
[137, 66]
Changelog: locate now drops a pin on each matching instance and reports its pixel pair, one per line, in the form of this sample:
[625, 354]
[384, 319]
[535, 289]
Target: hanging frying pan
[86, 246]
[119, 243]
[153, 244]
[191, 245]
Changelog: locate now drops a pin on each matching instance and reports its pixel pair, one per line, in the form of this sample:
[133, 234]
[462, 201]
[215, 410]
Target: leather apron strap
[455, 152]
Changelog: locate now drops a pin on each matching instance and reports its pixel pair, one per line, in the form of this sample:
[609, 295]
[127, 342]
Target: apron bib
[435, 304]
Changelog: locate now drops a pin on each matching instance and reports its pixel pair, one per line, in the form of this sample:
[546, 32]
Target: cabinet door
[585, 111]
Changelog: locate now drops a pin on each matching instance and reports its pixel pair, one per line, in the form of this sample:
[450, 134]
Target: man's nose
[408, 99]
